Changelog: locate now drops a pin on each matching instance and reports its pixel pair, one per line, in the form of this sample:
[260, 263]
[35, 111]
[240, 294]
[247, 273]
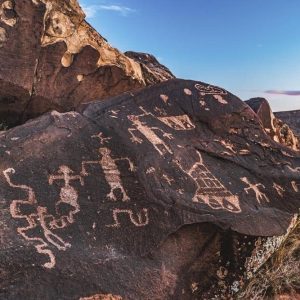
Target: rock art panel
[39, 219]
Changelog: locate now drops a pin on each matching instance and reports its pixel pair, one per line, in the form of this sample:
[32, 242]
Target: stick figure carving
[140, 220]
[40, 218]
[149, 133]
[209, 189]
[260, 196]
[68, 195]
[111, 172]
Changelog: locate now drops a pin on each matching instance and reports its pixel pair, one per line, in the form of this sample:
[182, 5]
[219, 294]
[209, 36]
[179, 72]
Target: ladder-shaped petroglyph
[209, 189]
[215, 91]
[255, 188]
[139, 219]
[68, 195]
[149, 133]
[179, 123]
[7, 19]
[40, 218]
[279, 189]
[110, 169]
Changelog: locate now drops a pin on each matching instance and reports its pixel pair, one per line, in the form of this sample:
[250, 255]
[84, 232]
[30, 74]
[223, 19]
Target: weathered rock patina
[159, 194]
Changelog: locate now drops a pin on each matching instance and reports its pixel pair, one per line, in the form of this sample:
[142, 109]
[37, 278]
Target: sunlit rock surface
[51, 58]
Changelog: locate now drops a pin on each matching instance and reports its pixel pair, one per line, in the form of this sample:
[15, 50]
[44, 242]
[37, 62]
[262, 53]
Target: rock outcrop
[51, 58]
[292, 118]
[173, 192]
[153, 71]
[275, 127]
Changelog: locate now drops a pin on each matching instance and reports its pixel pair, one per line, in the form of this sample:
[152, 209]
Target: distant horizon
[249, 48]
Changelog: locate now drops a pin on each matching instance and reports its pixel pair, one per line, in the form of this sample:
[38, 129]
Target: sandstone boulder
[173, 192]
[51, 58]
[292, 118]
[275, 127]
[153, 71]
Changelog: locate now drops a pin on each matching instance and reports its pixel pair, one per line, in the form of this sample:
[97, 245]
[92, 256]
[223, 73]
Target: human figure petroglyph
[40, 218]
[111, 172]
[279, 189]
[139, 219]
[260, 196]
[68, 195]
[179, 123]
[209, 189]
[149, 133]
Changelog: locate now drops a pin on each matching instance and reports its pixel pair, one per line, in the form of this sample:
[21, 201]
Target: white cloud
[91, 10]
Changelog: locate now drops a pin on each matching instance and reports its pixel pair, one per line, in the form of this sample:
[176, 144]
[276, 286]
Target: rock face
[51, 58]
[160, 194]
[292, 118]
[278, 130]
[153, 71]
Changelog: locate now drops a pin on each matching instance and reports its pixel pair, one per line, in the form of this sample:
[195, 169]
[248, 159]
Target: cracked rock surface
[156, 194]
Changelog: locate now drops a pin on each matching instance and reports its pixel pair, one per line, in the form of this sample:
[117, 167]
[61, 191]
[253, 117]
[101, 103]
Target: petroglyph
[139, 219]
[220, 99]
[101, 138]
[209, 90]
[168, 179]
[178, 123]
[111, 172]
[40, 218]
[150, 170]
[260, 196]
[164, 98]
[279, 189]
[295, 186]
[8, 20]
[209, 189]
[148, 133]
[294, 170]
[188, 92]
[68, 195]
[3, 37]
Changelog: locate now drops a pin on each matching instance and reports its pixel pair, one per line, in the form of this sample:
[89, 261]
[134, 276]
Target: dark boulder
[173, 192]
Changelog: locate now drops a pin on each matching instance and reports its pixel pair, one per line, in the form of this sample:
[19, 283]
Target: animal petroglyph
[209, 189]
[182, 122]
[139, 219]
[260, 196]
[149, 133]
[111, 172]
[279, 189]
[40, 218]
[295, 186]
[68, 195]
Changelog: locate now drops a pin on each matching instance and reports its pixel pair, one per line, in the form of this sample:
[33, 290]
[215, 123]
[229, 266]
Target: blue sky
[249, 47]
